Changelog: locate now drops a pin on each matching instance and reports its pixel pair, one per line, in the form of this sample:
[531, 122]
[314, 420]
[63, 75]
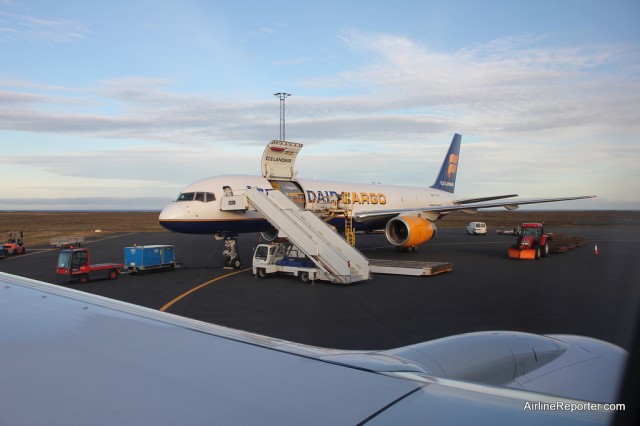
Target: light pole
[282, 96]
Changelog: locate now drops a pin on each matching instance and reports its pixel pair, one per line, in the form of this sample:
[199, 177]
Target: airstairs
[330, 252]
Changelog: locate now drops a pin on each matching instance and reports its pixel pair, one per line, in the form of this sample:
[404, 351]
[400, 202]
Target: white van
[477, 228]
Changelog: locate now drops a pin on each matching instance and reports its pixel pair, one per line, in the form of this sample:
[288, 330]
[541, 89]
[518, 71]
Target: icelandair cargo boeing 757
[407, 214]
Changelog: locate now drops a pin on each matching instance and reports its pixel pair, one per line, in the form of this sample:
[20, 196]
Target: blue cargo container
[142, 258]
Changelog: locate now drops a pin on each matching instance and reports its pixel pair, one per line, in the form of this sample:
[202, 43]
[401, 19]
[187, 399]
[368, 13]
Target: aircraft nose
[172, 211]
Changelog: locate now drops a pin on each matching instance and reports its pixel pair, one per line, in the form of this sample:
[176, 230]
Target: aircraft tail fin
[446, 180]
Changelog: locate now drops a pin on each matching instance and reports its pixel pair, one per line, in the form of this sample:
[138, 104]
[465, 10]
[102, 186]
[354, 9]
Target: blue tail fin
[446, 180]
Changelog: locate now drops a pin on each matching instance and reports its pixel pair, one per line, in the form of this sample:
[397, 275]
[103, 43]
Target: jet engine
[269, 236]
[409, 231]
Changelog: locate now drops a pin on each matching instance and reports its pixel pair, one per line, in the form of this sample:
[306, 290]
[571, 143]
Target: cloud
[132, 107]
[537, 117]
[127, 170]
[15, 27]
[511, 84]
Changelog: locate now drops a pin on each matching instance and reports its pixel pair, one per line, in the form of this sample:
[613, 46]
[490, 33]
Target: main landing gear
[232, 260]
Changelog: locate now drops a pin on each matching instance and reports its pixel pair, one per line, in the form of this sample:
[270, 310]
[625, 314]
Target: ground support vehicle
[562, 243]
[59, 242]
[477, 228]
[74, 265]
[532, 242]
[285, 258]
[145, 258]
[14, 243]
[408, 267]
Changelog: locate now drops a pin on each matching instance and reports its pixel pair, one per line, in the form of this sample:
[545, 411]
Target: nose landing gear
[232, 260]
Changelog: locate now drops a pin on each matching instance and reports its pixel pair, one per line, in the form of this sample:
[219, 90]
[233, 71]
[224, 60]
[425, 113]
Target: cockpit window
[204, 197]
[186, 196]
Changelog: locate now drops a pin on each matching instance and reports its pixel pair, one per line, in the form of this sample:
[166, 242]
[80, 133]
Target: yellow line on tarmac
[168, 305]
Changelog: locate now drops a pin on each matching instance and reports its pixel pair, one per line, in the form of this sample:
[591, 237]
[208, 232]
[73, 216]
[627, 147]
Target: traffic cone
[595, 250]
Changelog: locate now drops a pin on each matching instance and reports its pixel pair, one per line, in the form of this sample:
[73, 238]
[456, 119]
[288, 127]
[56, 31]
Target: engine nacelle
[409, 231]
[269, 236]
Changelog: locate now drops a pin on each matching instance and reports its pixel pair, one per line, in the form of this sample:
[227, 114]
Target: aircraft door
[279, 160]
[278, 166]
[291, 189]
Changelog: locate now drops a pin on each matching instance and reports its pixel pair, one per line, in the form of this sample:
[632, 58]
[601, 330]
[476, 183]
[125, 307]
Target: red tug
[74, 264]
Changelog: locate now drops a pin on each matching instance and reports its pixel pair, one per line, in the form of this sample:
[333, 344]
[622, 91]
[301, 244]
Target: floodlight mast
[282, 96]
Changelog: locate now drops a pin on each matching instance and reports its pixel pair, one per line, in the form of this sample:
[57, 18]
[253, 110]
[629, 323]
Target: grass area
[39, 227]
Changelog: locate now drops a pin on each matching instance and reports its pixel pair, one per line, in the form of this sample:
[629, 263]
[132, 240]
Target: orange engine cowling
[409, 231]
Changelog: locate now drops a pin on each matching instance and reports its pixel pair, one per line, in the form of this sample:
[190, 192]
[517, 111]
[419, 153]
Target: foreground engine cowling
[409, 231]
[269, 236]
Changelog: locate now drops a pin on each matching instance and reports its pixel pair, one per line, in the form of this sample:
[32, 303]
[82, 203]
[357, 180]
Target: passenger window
[199, 196]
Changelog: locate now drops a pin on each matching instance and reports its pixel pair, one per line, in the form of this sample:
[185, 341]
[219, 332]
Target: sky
[121, 104]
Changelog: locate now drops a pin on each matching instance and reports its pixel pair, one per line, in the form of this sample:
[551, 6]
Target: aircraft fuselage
[201, 214]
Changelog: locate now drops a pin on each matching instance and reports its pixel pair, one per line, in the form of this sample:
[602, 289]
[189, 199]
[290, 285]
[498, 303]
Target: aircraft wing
[467, 206]
[72, 358]
[480, 199]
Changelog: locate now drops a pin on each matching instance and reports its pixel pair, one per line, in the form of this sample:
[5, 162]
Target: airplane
[407, 214]
[74, 358]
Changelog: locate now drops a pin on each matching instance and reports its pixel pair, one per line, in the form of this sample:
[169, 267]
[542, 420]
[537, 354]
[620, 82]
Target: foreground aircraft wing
[468, 206]
[72, 358]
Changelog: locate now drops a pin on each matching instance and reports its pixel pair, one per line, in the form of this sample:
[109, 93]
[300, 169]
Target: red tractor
[14, 243]
[532, 242]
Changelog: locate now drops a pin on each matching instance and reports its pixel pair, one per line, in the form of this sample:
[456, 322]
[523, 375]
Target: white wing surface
[71, 358]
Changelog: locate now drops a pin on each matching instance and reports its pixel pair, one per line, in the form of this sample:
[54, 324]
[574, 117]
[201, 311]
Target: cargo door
[278, 167]
[279, 160]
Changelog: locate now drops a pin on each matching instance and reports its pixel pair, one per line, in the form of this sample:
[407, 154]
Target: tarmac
[577, 292]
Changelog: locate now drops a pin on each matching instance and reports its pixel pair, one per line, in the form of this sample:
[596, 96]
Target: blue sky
[121, 104]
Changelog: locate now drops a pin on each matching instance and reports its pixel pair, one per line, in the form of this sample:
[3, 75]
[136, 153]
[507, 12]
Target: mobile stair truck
[285, 258]
[335, 259]
[146, 258]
